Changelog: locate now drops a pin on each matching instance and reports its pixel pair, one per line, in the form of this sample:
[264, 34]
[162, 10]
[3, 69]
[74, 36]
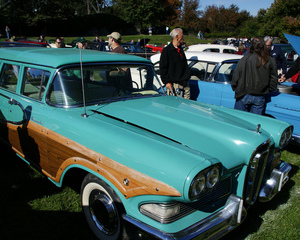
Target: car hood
[200, 127]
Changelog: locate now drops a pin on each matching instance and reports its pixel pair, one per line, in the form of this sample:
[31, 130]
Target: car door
[29, 138]
[203, 87]
[11, 113]
[223, 75]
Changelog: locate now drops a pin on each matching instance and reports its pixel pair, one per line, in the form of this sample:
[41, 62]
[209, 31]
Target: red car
[156, 49]
[21, 40]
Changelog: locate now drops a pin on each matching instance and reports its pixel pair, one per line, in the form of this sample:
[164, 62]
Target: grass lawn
[34, 209]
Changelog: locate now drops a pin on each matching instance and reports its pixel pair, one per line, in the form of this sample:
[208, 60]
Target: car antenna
[83, 95]
[145, 46]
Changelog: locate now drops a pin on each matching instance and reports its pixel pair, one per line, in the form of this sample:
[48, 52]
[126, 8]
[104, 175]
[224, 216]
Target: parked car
[212, 48]
[211, 75]
[25, 40]
[289, 53]
[73, 42]
[131, 49]
[154, 165]
[52, 44]
[19, 44]
[155, 48]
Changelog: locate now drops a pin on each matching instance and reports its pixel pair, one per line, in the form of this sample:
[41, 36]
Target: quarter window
[35, 82]
[228, 51]
[9, 77]
[225, 72]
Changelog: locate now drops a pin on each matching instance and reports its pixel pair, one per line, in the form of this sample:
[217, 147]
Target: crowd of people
[256, 74]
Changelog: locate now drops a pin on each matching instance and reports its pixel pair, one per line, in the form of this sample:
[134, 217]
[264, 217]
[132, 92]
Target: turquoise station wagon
[150, 165]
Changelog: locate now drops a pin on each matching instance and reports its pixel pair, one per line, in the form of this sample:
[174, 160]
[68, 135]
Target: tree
[97, 5]
[171, 12]
[282, 16]
[31, 12]
[221, 19]
[139, 11]
[190, 15]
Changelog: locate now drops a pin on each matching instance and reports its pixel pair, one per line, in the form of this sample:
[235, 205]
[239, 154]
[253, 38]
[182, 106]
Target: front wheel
[102, 208]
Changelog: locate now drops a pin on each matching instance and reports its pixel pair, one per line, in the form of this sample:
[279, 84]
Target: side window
[35, 82]
[225, 72]
[200, 70]
[211, 50]
[228, 51]
[9, 77]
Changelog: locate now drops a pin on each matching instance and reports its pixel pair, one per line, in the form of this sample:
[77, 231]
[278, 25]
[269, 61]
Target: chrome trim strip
[295, 139]
[276, 181]
[255, 172]
[214, 226]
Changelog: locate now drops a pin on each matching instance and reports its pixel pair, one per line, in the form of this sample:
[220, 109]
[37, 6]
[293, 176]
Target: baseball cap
[81, 39]
[115, 35]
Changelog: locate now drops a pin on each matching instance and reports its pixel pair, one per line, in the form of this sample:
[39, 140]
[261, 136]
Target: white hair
[175, 32]
[267, 38]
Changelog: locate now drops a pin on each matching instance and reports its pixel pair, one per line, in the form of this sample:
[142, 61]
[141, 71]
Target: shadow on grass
[293, 148]
[19, 185]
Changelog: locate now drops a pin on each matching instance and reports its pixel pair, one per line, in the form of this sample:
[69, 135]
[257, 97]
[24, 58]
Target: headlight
[286, 136]
[197, 186]
[205, 180]
[212, 177]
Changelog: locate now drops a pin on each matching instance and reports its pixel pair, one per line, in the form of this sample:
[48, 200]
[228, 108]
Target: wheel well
[74, 177]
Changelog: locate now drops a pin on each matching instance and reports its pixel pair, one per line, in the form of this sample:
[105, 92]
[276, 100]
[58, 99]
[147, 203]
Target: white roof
[202, 47]
[204, 56]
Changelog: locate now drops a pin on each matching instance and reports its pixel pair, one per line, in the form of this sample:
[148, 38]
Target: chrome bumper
[295, 140]
[213, 227]
[279, 176]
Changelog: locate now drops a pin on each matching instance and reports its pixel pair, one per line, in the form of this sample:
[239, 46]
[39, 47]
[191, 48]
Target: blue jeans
[251, 103]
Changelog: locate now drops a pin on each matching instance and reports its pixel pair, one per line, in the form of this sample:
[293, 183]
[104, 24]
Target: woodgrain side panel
[54, 153]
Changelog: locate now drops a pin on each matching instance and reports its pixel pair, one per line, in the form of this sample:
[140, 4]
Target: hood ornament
[258, 128]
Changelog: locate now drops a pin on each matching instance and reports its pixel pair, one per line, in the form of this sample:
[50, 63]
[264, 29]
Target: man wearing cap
[114, 41]
[81, 43]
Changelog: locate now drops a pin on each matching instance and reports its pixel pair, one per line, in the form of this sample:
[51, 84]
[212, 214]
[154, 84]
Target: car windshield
[102, 84]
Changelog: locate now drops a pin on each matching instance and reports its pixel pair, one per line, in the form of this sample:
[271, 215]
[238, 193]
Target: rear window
[9, 77]
[35, 82]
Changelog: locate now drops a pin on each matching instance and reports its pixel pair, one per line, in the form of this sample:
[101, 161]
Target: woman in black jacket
[254, 77]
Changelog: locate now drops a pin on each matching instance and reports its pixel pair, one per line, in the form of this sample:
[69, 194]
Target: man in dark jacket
[174, 69]
[278, 54]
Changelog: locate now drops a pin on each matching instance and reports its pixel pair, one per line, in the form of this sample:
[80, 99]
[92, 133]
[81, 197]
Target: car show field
[93, 115]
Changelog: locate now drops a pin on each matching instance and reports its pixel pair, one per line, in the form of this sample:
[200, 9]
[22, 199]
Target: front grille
[255, 172]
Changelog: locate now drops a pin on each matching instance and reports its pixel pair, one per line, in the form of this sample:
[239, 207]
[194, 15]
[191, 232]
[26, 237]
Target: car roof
[204, 56]
[212, 56]
[56, 57]
[201, 47]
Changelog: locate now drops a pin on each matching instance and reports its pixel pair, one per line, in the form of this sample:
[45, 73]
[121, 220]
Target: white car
[212, 48]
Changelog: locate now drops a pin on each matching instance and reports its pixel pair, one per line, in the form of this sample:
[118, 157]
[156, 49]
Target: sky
[251, 6]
